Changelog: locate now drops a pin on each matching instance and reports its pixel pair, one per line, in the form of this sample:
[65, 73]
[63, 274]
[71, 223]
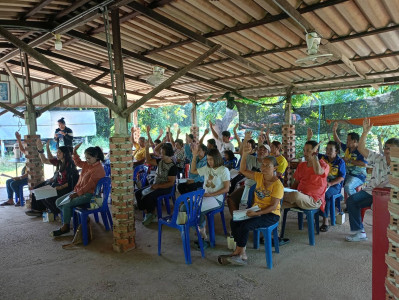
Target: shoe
[205, 244]
[324, 228]
[357, 237]
[58, 232]
[281, 242]
[18, 204]
[148, 219]
[236, 260]
[33, 213]
[6, 203]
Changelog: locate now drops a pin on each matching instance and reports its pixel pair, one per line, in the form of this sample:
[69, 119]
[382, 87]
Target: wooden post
[121, 156]
[288, 109]
[30, 113]
[288, 137]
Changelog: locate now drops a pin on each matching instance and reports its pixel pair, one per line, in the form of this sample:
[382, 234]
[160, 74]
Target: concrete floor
[34, 266]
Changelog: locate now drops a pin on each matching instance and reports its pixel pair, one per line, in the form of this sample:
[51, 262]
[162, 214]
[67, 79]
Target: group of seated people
[66, 181]
[316, 180]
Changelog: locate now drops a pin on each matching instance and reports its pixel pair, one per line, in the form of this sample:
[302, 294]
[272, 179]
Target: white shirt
[225, 146]
[381, 170]
[214, 178]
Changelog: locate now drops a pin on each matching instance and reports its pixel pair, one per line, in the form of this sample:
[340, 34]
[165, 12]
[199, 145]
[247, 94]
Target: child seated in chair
[216, 184]
[268, 194]
[92, 172]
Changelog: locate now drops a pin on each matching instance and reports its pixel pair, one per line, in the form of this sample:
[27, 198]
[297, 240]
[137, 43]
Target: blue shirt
[337, 168]
[352, 170]
[187, 152]
[200, 163]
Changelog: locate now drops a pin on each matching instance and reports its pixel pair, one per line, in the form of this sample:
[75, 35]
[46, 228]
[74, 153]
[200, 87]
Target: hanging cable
[109, 49]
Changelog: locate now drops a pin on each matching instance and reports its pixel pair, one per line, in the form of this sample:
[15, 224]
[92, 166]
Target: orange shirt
[89, 176]
[312, 184]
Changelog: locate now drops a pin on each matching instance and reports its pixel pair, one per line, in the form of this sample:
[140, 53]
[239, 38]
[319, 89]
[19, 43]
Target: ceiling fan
[157, 76]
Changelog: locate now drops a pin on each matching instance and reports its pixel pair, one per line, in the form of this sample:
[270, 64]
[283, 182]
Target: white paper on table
[288, 190]
[240, 215]
[45, 192]
[233, 173]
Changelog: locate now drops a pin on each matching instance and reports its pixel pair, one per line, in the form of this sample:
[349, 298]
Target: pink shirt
[312, 184]
[89, 177]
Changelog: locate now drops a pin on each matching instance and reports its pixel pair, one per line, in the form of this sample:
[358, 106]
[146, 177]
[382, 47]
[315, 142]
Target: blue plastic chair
[192, 202]
[142, 172]
[107, 168]
[267, 234]
[312, 216]
[335, 202]
[81, 214]
[166, 198]
[211, 222]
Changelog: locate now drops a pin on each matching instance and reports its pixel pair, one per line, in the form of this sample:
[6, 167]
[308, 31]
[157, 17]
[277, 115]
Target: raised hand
[235, 127]
[206, 131]
[367, 125]
[315, 148]
[247, 149]
[335, 126]
[148, 128]
[195, 150]
[210, 123]
[161, 131]
[48, 144]
[17, 135]
[309, 133]
[77, 147]
[248, 135]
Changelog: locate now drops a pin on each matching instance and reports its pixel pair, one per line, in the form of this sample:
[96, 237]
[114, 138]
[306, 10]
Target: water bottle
[93, 203]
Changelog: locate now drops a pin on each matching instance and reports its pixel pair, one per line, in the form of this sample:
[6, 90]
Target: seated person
[92, 172]
[381, 164]
[195, 181]
[139, 153]
[229, 159]
[356, 172]
[310, 179]
[188, 147]
[224, 141]
[13, 184]
[65, 178]
[276, 149]
[253, 163]
[165, 178]
[179, 157]
[211, 144]
[268, 193]
[216, 184]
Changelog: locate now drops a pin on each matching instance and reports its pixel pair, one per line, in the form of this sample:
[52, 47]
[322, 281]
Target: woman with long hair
[92, 172]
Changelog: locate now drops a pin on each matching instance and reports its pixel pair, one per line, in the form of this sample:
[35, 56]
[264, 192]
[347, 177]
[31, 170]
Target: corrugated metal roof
[366, 32]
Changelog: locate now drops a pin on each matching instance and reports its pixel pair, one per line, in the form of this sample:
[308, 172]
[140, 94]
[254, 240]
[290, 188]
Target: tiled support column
[195, 132]
[288, 141]
[122, 193]
[34, 166]
[392, 257]
[137, 133]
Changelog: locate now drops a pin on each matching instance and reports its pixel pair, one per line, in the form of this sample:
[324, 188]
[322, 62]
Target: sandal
[324, 228]
[6, 203]
[236, 260]
[222, 259]
[58, 232]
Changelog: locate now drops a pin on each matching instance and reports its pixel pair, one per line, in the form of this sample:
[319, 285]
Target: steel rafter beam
[266, 20]
[199, 38]
[169, 81]
[58, 70]
[38, 7]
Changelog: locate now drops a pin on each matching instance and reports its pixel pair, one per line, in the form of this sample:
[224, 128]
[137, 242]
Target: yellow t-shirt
[263, 196]
[139, 153]
[282, 164]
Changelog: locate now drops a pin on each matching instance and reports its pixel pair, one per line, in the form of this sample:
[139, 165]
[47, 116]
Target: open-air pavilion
[196, 50]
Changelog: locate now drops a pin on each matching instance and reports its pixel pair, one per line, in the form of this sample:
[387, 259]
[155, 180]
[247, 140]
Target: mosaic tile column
[392, 258]
[122, 193]
[195, 132]
[34, 166]
[288, 141]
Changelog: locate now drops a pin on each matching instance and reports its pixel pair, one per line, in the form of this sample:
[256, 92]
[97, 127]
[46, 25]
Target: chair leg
[96, 218]
[332, 211]
[184, 241]
[105, 220]
[211, 226]
[110, 219]
[284, 221]
[167, 204]
[316, 217]
[83, 222]
[256, 239]
[268, 248]
[200, 242]
[223, 222]
[159, 208]
[276, 241]
[300, 221]
[310, 219]
[159, 237]
[75, 221]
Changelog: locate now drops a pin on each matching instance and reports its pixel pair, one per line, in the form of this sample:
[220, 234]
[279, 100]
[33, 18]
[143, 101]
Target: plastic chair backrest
[138, 169]
[107, 168]
[193, 203]
[251, 195]
[104, 187]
